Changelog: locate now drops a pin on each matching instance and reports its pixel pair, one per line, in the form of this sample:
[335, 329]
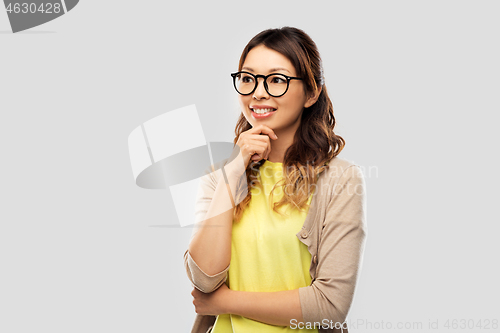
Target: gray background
[415, 86]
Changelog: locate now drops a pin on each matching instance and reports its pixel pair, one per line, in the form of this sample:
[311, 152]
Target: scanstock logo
[31, 13]
[170, 152]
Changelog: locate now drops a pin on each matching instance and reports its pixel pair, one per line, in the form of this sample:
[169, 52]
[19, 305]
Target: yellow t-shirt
[266, 254]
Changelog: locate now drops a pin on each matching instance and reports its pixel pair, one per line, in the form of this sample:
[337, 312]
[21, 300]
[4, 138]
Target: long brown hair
[315, 143]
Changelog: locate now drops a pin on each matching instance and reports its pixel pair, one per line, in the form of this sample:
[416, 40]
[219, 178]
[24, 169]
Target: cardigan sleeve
[340, 251]
[201, 280]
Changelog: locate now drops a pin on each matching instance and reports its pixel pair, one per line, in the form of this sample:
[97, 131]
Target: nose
[260, 92]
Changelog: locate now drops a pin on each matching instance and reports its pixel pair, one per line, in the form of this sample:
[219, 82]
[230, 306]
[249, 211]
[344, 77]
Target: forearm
[210, 246]
[274, 308]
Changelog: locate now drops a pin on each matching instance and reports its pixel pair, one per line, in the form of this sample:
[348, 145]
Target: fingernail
[275, 136]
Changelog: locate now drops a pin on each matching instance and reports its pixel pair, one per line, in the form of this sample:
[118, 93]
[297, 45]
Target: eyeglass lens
[276, 84]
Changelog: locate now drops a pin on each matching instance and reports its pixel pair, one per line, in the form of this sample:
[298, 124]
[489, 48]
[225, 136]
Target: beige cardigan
[335, 233]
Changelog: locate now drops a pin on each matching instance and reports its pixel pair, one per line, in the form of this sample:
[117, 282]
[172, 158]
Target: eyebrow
[271, 70]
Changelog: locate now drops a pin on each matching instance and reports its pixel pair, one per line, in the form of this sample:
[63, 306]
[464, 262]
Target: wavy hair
[315, 142]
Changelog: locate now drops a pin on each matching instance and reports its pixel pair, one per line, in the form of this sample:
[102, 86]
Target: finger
[260, 137]
[257, 144]
[258, 147]
[267, 143]
[264, 130]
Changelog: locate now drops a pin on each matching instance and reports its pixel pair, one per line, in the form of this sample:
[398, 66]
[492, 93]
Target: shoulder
[341, 168]
[341, 174]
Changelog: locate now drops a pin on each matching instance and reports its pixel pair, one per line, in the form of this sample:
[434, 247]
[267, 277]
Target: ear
[313, 98]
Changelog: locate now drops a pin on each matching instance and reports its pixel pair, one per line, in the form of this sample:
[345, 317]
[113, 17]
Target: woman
[284, 256]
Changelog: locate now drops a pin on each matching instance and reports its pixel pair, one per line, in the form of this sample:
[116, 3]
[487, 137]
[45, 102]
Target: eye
[246, 78]
[278, 79]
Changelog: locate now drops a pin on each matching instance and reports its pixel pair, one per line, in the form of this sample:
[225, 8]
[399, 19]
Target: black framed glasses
[276, 84]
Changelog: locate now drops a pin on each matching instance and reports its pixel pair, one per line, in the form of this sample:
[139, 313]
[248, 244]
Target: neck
[279, 147]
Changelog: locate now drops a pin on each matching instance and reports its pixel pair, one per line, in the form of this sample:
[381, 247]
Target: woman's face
[288, 108]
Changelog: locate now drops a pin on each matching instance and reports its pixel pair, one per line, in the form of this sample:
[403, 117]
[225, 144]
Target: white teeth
[262, 110]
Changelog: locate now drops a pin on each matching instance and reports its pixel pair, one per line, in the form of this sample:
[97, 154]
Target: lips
[262, 109]
[262, 115]
[253, 107]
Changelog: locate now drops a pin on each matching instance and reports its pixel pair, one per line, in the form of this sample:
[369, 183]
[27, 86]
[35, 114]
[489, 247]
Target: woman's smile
[262, 111]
